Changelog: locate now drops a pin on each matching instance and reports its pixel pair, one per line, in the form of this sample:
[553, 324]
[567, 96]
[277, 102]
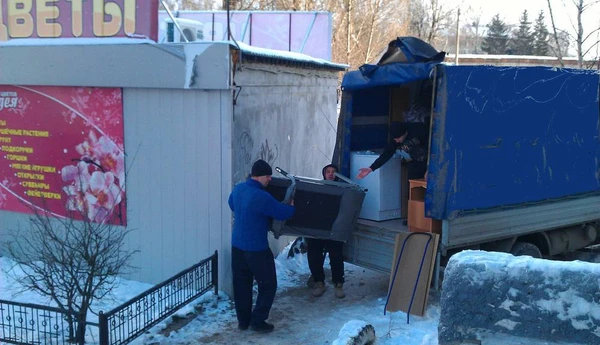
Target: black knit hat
[261, 168]
[397, 129]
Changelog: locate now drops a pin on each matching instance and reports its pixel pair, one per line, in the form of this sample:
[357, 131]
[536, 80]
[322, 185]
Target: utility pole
[457, 35]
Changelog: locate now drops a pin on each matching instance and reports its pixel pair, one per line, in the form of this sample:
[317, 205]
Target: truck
[514, 153]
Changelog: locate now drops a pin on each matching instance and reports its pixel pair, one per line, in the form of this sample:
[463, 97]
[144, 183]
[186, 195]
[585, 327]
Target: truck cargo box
[514, 154]
[501, 136]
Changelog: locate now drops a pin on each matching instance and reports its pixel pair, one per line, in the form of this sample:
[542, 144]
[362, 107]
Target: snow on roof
[184, 21]
[245, 48]
[286, 55]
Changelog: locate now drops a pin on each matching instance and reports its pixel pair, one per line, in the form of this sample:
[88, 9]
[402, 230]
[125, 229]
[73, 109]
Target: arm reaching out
[363, 172]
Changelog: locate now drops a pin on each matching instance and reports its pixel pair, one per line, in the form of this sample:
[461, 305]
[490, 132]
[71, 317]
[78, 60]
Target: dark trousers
[316, 258]
[247, 267]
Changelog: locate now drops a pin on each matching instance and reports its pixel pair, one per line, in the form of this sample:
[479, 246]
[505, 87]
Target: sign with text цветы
[78, 18]
[61, 151]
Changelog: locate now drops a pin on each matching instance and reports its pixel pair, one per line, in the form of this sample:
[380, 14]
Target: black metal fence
[24, 323]
[134, 317]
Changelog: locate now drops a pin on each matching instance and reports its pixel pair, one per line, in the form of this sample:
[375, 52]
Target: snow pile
[487, 292]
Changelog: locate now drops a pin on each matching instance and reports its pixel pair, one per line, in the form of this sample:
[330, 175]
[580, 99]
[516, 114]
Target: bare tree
[474, 38]
[580, 38]
[563, 46]
[471, 32]
[429, 18]
[581, 6]
[74, 260]
[349, 28]
[375, 13]
[555, 35]
[197, 5]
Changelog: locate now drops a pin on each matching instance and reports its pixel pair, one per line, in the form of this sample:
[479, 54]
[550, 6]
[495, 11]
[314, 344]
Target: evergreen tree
[496, 40]
[523, 40]
[540, 36]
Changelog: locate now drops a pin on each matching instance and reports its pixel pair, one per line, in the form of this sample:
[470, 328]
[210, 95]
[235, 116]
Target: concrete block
[486, 292]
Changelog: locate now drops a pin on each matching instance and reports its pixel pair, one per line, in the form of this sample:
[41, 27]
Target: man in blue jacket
[251, 258]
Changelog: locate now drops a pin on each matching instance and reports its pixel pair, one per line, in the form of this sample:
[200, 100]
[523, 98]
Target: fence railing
[134, 317]
[24, 323]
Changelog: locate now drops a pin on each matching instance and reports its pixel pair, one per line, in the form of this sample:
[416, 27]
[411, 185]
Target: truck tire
[526, 248]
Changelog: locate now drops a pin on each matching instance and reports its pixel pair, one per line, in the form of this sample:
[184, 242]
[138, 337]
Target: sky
[510, 10]
[299, 318]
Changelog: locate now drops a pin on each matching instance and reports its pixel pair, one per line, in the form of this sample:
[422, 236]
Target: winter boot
[262, 327]
[339, 290]
[310, 282]
[319, 289]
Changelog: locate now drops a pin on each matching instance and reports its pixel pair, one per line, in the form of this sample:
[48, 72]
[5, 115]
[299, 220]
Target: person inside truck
[412, 138]
[316, 249]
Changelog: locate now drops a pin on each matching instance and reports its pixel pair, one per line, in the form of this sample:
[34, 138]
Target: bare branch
[376, 8]
[590, 34]
[559, 53]
[591, 47]
[72, 262]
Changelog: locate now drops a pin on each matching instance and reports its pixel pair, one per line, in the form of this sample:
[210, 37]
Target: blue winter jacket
[253, 207]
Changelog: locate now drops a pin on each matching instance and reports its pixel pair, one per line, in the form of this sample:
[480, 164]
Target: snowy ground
[299, 318]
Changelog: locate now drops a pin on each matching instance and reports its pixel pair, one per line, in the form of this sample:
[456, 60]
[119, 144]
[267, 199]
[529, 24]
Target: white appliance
[382, 200]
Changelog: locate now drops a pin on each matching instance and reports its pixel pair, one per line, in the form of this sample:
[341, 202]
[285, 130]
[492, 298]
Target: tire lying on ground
[356, 332]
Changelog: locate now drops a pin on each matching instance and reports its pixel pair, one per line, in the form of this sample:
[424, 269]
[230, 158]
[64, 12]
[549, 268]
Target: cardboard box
[417, 222]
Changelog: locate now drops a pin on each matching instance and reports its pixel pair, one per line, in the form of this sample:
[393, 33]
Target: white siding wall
[185, 150]
[179, 177]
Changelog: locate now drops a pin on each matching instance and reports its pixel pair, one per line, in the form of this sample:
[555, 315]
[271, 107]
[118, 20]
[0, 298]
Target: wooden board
[403, 279]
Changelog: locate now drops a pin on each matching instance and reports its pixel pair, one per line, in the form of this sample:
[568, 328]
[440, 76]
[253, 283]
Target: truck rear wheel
[526, 248]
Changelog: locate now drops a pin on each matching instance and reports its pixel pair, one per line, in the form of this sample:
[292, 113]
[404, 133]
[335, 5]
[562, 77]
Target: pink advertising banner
[62, 152]
[78, 18]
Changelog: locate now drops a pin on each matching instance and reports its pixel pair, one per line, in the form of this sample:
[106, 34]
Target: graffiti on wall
[246, 154]
[246, 145]
[267, 153]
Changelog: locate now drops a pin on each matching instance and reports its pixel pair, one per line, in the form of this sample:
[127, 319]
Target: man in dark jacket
[316, 249]
[411, 137]
[251, 258]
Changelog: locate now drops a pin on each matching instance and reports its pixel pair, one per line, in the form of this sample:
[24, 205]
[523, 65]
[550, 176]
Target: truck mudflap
[324, 209]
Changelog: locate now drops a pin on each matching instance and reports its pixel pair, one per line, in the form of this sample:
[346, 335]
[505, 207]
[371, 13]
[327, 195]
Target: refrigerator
[383, 198]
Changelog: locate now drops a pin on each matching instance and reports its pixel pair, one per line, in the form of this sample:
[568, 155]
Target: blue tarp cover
[393, 74]
[509, 135]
